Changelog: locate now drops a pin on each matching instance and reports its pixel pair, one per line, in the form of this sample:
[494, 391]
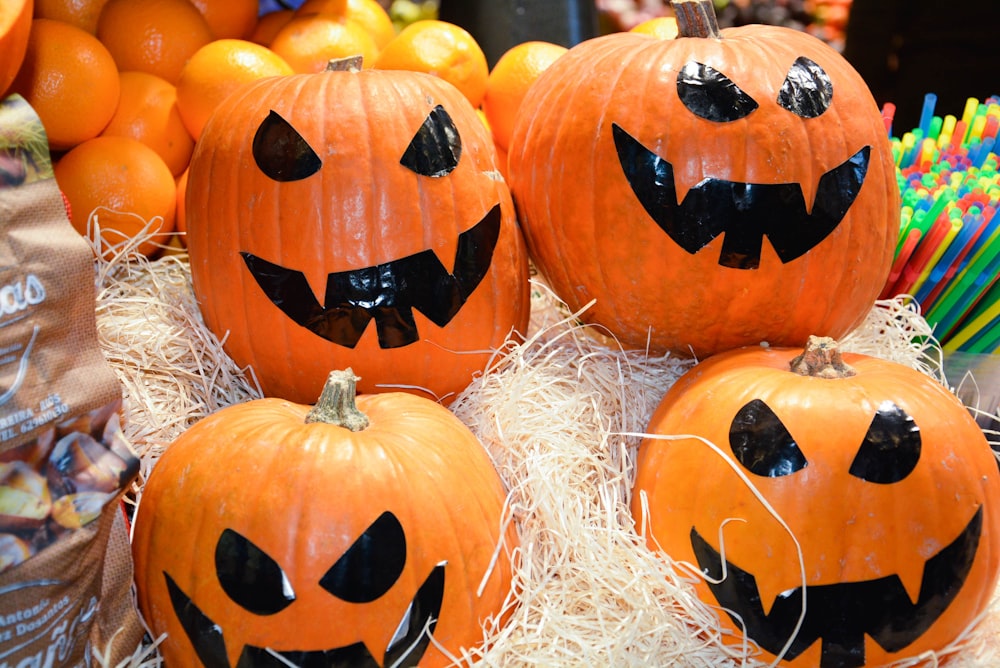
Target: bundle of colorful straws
[948, 255]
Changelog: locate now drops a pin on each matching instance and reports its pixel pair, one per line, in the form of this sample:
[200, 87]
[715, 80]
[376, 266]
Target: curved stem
[696, 18]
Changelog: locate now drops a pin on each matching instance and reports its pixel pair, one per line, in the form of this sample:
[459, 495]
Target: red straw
[913, 269]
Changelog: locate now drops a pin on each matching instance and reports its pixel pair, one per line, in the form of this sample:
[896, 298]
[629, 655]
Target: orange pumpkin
[15, 25]
[349, 534]
[354, 218]
[877, 491]
[711, 191]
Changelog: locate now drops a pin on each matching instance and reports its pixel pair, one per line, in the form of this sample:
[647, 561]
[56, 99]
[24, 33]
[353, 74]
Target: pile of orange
[149, 73]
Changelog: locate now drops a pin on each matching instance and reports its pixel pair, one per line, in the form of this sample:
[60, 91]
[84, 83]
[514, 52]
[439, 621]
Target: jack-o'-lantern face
[266, 538]
[744, 213]
[712, 191]
[843, 522]
[362, 575]
[355, 218]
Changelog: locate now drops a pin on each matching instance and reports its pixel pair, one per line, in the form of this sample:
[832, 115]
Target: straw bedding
[561, 415]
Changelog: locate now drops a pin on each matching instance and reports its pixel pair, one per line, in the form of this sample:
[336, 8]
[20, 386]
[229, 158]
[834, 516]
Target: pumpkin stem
[345, 64]
[821, 359]
[696, 18]
[336, 402]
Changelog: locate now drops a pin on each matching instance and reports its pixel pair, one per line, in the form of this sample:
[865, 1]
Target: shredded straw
[561, 415]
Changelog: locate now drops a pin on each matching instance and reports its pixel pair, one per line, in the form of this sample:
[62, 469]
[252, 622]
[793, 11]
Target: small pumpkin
[711, 191]
[849, 516]
[15, 26]
[354, 217]
[357, 532]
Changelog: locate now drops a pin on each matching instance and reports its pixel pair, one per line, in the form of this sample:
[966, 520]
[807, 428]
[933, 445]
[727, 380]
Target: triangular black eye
[891, 448]
[807, 91]
[371, 565]
[710, 94]
[436, 148]
[250, 577]
[281, 152]
[762, 444]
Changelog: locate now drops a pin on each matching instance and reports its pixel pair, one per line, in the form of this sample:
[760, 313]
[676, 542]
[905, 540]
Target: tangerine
[442, 49]
[70, 80]
[81, 13]
[369, 13]
[229, 18]
[216, 70]
[155, 36]
[509, 80]
[125, 187]
[147, 111]
[308, 43]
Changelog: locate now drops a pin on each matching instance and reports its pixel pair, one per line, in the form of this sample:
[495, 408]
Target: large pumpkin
[354, 218]
[711, 191]
[877, 491]
[330, 537]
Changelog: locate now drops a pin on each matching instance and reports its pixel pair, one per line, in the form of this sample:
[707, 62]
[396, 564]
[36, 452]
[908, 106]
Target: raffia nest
[561, 415]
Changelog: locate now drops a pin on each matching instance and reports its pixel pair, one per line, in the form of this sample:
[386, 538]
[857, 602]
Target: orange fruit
[125, 185]
[369, 13]
[155, 36]
[70, 80]
[440, 48]
[81, 13]
[511, 76]
[147, 111]
[229, 18]
[309, 42]
[216, 70]
[15, 27]
[268, 25]
[660, 27]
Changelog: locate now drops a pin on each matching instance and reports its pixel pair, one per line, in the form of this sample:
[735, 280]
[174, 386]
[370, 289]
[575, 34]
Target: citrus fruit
[508, 81]
[15, 26]
[70, 80]
[81, 13]
[369, 13]
[215, 70]
[309, 42]
[442, 49]
[155, 36]
[229, 18]
[125, 186]
[661, 27]
[147, 111]
[268, 25]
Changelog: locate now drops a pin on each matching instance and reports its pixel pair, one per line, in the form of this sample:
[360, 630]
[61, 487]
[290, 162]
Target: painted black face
[363, 574]
[388, 292]
[839, 615]
[744, 212]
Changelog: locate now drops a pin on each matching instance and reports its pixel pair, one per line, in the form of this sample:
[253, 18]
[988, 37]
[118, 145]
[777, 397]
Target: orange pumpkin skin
[361, 210]
[850, 529]
[15, 25]
[303, 494]
[592, 239]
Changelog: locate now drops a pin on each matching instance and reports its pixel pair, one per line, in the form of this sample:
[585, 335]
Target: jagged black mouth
[840, 615]
[387, 293]
[744, 212]
[406, 649]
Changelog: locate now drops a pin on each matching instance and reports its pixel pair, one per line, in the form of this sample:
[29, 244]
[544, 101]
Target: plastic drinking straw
[974, 226]
[981, 332]
[967, 287]
[952, 226]
[922, 255]
[888, 113]
[902, 257]
[947, 130]
[971, 106]
[927, 113]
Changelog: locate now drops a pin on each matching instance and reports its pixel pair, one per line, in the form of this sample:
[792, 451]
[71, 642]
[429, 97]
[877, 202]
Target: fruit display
[430, 361]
